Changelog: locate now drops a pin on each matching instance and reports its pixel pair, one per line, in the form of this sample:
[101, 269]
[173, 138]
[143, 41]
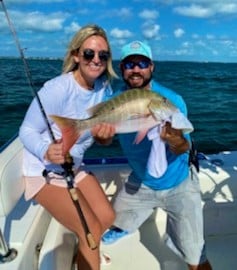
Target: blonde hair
[85, 32]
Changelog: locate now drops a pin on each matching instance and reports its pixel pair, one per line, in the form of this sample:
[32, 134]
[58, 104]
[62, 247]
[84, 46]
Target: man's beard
[145, 82]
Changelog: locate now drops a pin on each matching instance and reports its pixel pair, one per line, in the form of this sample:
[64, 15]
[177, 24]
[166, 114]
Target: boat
[31, 239]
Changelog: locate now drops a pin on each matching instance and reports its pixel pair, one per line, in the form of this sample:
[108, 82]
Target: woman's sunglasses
[89, 54]
[141, 64]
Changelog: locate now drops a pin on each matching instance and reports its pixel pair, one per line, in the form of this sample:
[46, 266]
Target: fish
[134, 110]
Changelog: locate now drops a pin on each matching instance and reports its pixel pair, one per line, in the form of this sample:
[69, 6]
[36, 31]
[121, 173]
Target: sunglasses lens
[88, 54]
[141, 64]
[129, 65]
[104, 55]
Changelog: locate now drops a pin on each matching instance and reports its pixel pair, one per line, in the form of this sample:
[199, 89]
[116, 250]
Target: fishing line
[67, 166]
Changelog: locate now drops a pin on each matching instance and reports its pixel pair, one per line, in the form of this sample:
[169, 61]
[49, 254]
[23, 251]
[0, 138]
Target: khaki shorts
[182, 204]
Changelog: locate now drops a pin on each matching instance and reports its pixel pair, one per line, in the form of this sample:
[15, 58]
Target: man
[174, 187]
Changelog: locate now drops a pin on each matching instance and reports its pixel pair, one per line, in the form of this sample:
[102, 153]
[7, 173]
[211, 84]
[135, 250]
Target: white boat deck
[43, 244]
[146, 249]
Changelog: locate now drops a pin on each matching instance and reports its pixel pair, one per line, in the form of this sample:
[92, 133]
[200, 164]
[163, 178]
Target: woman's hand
[54, 153]
[174, 138]
[103, 133]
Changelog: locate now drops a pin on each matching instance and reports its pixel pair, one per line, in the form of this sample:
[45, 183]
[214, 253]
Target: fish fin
[137, 116]
[69, 130]
[140, 136]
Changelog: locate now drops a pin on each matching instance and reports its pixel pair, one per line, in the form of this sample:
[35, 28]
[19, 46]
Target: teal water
[209, 90]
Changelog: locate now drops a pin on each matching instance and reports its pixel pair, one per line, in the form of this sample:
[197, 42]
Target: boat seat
[11, 182]
[23, 223]
[58, 248]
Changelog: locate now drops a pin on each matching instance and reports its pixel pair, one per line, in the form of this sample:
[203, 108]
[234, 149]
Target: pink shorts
[33, 184]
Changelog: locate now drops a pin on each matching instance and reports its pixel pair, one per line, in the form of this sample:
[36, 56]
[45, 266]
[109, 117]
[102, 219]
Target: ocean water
[209, 90]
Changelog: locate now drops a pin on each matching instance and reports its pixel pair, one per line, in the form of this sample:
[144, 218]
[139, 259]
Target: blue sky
[186, 30]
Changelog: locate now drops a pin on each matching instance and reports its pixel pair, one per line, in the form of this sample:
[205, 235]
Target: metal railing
[6, 254]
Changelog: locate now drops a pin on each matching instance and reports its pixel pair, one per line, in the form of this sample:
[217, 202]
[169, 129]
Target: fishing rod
[67, 166]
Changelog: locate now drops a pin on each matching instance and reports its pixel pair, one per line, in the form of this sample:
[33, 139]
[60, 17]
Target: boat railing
[6, 254]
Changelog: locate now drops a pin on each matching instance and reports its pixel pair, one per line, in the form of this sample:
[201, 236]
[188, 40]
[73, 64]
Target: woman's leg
[93, 193]
[58, 202]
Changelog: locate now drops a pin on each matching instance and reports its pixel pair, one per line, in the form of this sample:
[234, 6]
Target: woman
[87, 69]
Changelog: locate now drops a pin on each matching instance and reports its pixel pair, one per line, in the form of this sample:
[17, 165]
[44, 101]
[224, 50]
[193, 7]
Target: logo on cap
[135, 45]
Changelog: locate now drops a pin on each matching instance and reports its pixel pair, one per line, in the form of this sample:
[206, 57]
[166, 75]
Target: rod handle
[91, 241]
[74, 194]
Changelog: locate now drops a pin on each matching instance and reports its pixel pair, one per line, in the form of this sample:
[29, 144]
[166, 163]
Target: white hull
[42, 243]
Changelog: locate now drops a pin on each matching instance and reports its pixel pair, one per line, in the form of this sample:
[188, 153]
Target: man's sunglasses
[89, 54]
[141, 64]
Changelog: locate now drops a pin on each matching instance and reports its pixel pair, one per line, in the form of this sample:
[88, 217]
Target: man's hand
[174, 138]
[103, 133]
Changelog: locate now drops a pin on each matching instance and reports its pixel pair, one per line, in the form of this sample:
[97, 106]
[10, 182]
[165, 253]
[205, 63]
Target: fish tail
[69, 130]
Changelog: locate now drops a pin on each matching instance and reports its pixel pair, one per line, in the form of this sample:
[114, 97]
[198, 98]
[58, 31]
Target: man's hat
[136, 48]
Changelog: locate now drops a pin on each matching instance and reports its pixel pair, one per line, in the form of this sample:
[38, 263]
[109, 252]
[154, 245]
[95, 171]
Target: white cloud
[37, 21]
[227, 43]
[72, 28]
[225, 8]
[149, 14]
[206, 8]
[117, 33]
[150, 30]
[194, 11]
[182, 52]
[179, 32]
[186, 44]
[83, 11]
[200, 43]
[195, 36]
[124, 12]
[210, 36]
[215, 52]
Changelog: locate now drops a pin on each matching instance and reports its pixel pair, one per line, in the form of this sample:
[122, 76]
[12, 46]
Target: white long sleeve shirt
[59, 96]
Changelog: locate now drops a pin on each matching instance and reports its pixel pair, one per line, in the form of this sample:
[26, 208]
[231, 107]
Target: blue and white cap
[136, 48]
